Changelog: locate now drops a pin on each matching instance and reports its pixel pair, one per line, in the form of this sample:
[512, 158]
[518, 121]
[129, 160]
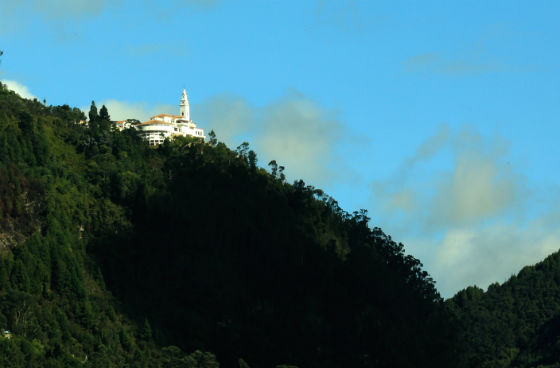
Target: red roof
[154, 122]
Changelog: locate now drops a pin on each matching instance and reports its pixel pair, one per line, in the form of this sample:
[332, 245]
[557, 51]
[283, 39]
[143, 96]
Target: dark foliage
[124, 255]
[242, 264]
[516, 324]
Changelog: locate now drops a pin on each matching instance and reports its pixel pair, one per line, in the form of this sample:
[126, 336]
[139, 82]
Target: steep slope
[515, 324]
[114, 250]
[240, 263]
[52, 296]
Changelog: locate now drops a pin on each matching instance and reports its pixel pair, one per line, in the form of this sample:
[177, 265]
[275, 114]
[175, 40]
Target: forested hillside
[516, 324]
[53, 203]
[115, 254]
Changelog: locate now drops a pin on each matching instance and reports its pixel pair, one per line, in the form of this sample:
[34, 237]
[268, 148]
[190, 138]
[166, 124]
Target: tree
[242, 150]
[212, 138]
[252, 157]
[104, 114]
[281, 171]
[273, 168]
[93, 115]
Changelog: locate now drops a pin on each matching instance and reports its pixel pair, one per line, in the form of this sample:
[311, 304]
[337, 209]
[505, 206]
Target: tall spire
[184, 107]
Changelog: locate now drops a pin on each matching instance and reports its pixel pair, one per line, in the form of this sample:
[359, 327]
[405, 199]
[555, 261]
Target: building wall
[156, 133]
[163, 126]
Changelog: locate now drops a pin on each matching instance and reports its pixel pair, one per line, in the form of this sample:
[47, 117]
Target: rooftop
[154, 122]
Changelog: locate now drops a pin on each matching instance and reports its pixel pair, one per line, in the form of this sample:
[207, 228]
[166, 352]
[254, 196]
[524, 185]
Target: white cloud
[295, 131]
[473, 222]
[302, 135]
[19, 88]
[479, 186]
[481, 256]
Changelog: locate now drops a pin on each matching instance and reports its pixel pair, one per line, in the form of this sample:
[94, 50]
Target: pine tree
[104, 114]
[252, 157]
[93, 115]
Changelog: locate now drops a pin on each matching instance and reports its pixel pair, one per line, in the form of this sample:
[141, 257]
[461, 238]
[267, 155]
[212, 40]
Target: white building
[163, 126]
[123, 124]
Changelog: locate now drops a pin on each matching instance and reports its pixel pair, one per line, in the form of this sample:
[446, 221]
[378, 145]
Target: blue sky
[440, 118]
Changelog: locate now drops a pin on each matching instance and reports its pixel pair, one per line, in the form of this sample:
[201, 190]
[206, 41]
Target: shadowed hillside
[116, 254]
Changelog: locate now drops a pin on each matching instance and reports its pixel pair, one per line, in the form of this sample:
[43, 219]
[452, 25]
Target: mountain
[116, 254]
[516, 324]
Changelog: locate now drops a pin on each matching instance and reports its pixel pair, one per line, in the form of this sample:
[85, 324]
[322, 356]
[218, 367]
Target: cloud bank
[478, 185]
[471, 222]
[492, 253]
[294, 130]
[19, 88]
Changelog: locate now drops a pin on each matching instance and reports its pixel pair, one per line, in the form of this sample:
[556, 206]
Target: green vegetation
[226, 257]
[54, 200]
[516, 324]
[115, 254]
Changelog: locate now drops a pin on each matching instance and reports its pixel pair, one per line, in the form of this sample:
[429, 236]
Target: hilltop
[515, 324]
[116, 253]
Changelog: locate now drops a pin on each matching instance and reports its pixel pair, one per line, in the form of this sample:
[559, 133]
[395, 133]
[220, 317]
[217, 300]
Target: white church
[163, 126]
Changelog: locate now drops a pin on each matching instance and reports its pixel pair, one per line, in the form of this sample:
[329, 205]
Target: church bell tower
[185, 109]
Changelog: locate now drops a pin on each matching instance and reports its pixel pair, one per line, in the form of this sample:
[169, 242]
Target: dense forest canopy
[190, 254]
[516, 324]
[118, 254]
